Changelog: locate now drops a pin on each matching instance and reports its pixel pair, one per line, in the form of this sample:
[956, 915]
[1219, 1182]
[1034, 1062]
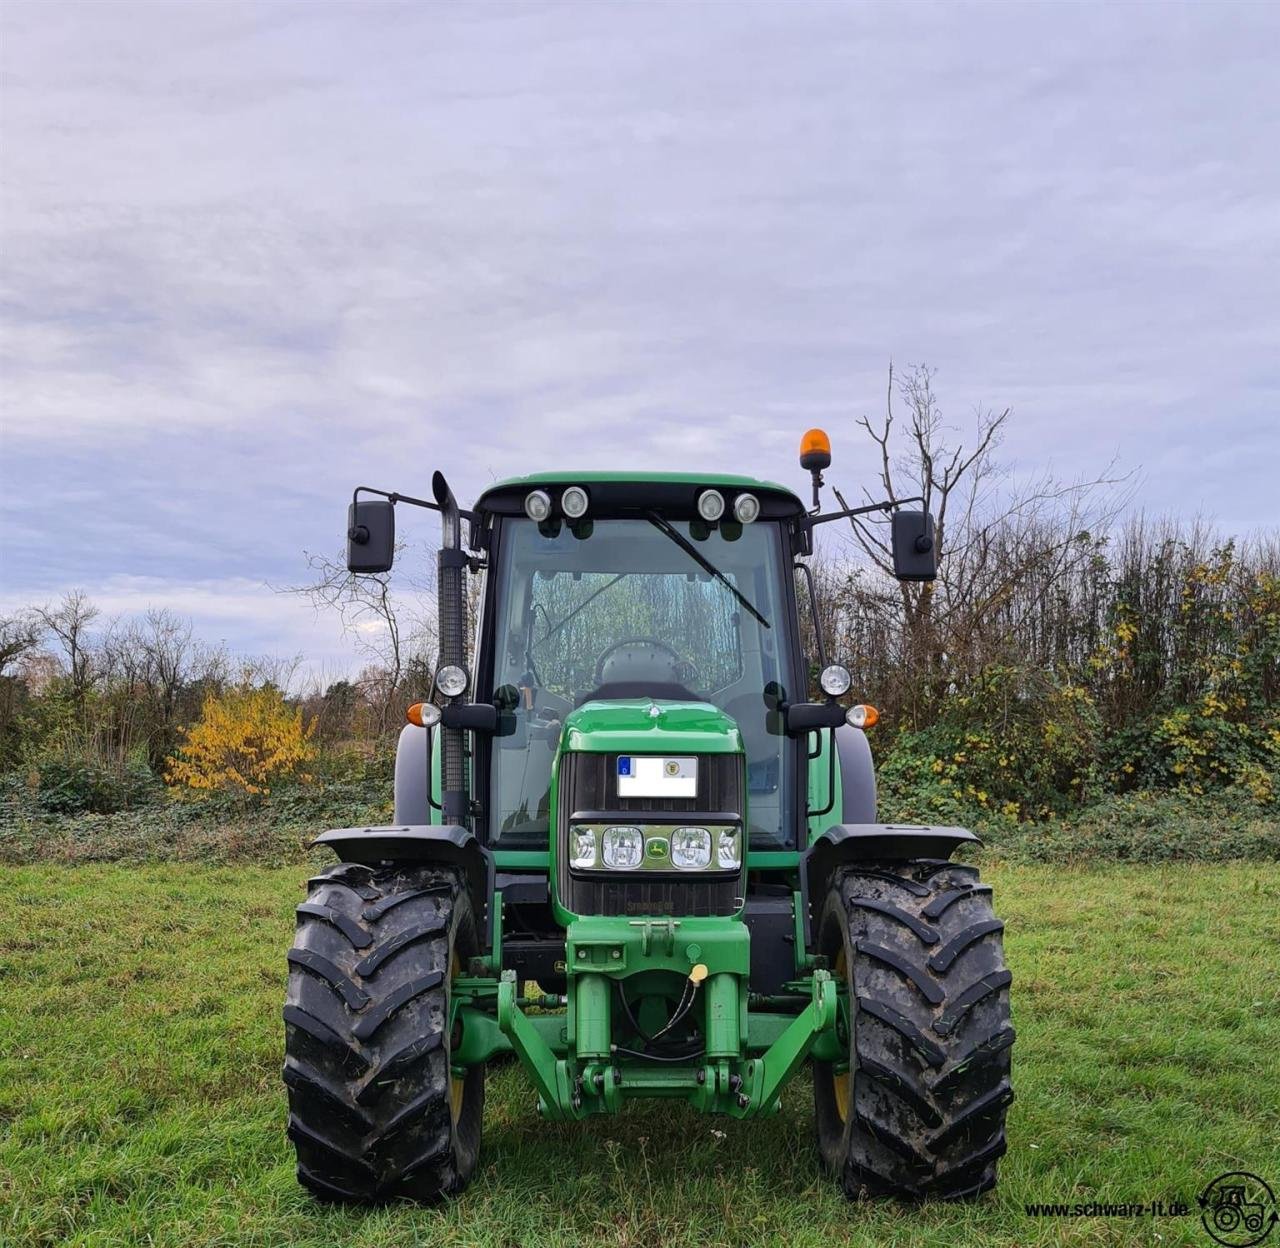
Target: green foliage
[70, 785]
[1015, 745]
[1197, 750]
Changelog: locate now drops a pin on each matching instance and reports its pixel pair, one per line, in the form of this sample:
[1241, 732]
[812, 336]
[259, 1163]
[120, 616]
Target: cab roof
[626, 493]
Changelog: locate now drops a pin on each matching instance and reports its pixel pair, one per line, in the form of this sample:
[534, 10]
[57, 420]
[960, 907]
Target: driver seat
[639, 670]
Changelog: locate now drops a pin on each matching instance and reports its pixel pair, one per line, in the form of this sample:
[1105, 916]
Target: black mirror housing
[371, 535]
[472, 717]
[915, 551]
[802, 717]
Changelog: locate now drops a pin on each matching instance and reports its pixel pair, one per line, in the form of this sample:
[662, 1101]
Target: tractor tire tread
[931, 1040]
[367, 1066]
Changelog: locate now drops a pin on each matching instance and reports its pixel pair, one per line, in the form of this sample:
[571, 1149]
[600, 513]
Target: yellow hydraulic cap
[698, 973]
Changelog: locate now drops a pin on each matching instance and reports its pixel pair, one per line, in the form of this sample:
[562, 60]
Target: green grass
[140, 1102]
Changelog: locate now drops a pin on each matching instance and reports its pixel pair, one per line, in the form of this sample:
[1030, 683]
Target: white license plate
[649, 775]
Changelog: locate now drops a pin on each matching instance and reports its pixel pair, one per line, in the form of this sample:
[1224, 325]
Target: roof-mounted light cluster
[574, 501]
[711, 507]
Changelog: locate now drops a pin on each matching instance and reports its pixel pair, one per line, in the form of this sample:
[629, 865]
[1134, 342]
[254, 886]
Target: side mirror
[471, 716]
[802, 717]
[371, 535]
[915, 553]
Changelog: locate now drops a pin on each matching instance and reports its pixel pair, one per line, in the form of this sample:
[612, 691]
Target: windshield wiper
[586, 602]
[663, 525]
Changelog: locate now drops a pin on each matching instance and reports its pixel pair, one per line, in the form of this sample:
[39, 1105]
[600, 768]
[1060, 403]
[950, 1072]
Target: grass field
[140, 1102]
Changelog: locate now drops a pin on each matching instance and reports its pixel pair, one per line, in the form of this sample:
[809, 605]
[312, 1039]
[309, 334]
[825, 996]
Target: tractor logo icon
[1238, 1209]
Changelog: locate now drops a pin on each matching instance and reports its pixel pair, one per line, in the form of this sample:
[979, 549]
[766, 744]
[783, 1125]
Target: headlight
[573, 502]
[746, 507]
[691, 848]
[711, 505]
[728, 849]
[835, 680]
[623, 848]
[537, 505]
[451, 680]
[582, 851]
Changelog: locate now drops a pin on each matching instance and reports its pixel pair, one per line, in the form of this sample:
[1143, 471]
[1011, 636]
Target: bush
[245, 741]
[1016, 745]
[1197, 750]
[74, 786]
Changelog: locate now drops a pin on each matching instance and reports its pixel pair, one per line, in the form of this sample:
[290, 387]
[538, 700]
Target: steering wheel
[682, 670]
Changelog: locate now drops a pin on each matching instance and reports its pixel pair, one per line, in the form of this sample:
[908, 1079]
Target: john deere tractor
[630, 850]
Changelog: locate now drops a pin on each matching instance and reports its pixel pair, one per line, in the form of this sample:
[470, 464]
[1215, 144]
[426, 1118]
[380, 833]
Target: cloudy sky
[255, 254]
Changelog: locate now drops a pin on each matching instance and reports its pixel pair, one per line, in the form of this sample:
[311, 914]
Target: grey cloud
[255, 252]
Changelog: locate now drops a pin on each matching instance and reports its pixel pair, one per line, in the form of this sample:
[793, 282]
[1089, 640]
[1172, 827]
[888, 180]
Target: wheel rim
[842, 1083]
[457, 1083]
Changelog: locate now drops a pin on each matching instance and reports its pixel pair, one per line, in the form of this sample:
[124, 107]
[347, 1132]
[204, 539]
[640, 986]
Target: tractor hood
[651, 726]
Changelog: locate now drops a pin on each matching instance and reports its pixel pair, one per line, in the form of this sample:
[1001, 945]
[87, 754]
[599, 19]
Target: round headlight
[573, 502]
[691, 848]
[711, 505]
[835, 680]
[746, 508]
[729, 848]
[537, 505]
[451, 680]
[623, 848]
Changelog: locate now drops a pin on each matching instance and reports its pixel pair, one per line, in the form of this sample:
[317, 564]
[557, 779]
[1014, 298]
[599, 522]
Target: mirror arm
[469, 516]
[888, 505]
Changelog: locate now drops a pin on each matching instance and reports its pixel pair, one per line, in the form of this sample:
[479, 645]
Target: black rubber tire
[929, 1044]
[372, 1113]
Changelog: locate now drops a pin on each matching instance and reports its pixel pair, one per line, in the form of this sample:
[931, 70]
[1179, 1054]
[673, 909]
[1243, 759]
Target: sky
[253, 255]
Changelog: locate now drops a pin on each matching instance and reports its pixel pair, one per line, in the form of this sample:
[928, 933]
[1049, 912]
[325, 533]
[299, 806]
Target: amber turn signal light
[423, 715]
[862, 716]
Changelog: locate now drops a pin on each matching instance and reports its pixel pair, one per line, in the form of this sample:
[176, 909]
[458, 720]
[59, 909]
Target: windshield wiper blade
[552, 630]
[663, 525]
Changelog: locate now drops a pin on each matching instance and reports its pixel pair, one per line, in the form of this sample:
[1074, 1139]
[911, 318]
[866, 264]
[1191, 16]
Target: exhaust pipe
[454, 802]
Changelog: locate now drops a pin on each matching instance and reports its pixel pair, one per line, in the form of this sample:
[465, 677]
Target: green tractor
[630, 851]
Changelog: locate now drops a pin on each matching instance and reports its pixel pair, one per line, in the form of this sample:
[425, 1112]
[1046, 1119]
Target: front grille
[589, 782]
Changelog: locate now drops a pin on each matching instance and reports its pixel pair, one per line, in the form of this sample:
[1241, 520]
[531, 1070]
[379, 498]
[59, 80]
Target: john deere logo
[1238, 1209]
[671, 767]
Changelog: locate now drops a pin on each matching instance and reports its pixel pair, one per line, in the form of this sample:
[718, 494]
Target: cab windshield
[633, 608]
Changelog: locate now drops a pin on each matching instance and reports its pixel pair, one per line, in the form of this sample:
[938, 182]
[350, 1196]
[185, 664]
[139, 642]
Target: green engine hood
[649, 726]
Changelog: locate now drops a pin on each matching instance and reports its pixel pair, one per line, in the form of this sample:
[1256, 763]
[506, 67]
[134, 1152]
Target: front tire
[375, 1111]
[919, 1108]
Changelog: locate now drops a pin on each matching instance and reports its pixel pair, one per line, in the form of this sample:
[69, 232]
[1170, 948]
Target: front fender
[446, 844]
[869, 842]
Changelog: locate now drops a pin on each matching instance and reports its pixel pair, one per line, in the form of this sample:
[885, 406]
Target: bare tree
[388, 635]
[1000, 550]
[69, 622]
[19, 634]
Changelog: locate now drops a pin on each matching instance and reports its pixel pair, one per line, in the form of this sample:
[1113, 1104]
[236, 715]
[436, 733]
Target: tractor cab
[672, 593]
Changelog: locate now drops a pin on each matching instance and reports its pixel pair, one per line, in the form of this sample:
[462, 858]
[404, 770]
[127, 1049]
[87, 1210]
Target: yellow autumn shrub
[245, 740]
